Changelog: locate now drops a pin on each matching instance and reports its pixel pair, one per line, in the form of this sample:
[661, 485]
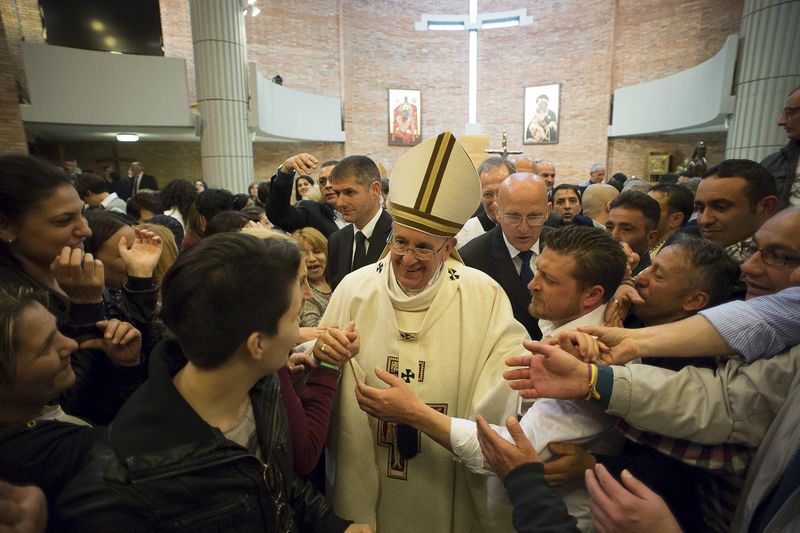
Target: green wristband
[325, 364]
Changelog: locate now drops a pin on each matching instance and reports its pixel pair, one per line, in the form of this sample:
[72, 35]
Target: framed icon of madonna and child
[542, 109]
[405, 117]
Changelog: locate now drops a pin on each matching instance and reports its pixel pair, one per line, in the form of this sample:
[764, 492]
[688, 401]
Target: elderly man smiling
[444, 329]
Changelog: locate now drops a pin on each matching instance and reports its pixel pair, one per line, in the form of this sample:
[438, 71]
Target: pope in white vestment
[447, 339]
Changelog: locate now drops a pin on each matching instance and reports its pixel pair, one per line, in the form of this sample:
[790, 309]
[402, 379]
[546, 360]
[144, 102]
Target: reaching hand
[579, 345]
[631, 508]
[549, 372]
[336, 346]
[79, 275]
[22, 509]
[300, 363]
[621, 345]
[633, 259]
[301, 163]
[397, 404]
[572, 464]
[620, 305]
[501, 455]
[142, 258]
[121, 342]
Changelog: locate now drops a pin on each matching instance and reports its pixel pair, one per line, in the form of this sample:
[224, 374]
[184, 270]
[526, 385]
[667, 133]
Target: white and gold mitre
[434, 187]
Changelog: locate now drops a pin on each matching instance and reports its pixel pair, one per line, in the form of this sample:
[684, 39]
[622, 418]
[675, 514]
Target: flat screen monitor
[127, 26]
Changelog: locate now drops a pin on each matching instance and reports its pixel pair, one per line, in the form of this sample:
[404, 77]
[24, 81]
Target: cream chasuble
[451, 348]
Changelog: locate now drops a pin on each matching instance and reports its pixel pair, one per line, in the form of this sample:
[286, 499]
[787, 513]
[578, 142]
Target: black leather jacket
[306, 213]
[162, 468]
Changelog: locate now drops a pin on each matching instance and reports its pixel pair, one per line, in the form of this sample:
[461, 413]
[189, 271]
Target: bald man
[508, 252]
[523, 163]
[596, 200]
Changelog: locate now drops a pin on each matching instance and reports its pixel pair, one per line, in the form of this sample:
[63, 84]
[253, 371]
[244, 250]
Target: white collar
[108, 199]
[513, 252]
[592, 318]
[369, 227]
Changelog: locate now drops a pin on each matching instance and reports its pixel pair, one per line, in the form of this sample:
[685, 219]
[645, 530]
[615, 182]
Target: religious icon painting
[405, 117]
[542, 109]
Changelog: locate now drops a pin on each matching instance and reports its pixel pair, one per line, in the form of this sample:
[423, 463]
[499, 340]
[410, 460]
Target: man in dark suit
[508, 252]
[356, 181]
[319, 215]
[140, 180]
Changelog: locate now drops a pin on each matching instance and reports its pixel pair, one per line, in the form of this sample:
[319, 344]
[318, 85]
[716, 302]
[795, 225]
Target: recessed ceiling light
[127, 137]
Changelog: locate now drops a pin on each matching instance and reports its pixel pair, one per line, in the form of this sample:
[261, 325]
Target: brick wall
[546, 52]
[629, 155]
[357, 49]
[12, 134]
[654, 38]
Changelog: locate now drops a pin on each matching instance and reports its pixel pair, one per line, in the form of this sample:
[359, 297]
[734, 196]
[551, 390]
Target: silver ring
[616, 302]
[323, 347]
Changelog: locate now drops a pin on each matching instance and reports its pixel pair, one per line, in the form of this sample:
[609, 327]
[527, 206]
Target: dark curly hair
[181, 194]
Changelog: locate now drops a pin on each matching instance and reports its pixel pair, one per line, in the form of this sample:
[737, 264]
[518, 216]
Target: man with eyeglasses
[491, 172]
[773, 254]
[785, 163]
[321, 215]
[508, 252]
[443, 328]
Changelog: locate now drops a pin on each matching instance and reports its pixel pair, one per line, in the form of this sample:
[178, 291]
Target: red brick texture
[357, 49]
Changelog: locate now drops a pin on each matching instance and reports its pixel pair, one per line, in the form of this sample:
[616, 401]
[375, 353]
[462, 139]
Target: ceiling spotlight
[127, 137]
[249, 7]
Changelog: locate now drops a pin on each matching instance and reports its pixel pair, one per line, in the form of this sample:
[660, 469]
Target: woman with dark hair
[131, 292]
[42, 230]
[252, 192]
[257, 215]
[178, 198]
[303, 188]
[145, 205]
[240, 201]
[200, 186]
[263, 194]
[225, 222]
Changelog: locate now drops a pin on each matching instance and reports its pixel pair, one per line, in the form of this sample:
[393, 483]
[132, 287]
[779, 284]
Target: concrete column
[220, 63]
[769, 67]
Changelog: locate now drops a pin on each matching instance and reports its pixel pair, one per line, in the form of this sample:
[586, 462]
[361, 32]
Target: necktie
[360, 256]
[525, 271]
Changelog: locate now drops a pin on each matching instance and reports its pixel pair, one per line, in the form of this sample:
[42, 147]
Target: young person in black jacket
[204, 444]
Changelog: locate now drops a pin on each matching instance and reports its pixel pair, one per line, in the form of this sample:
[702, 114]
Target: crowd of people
[472, 350]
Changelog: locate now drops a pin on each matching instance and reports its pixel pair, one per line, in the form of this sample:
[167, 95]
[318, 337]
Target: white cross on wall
[473, 23]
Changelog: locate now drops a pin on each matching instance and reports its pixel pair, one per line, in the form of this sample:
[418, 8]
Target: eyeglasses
[789, 111]
[322, 182]
[769, 257]
[530, 220]
[273, 478]
[402, 248]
